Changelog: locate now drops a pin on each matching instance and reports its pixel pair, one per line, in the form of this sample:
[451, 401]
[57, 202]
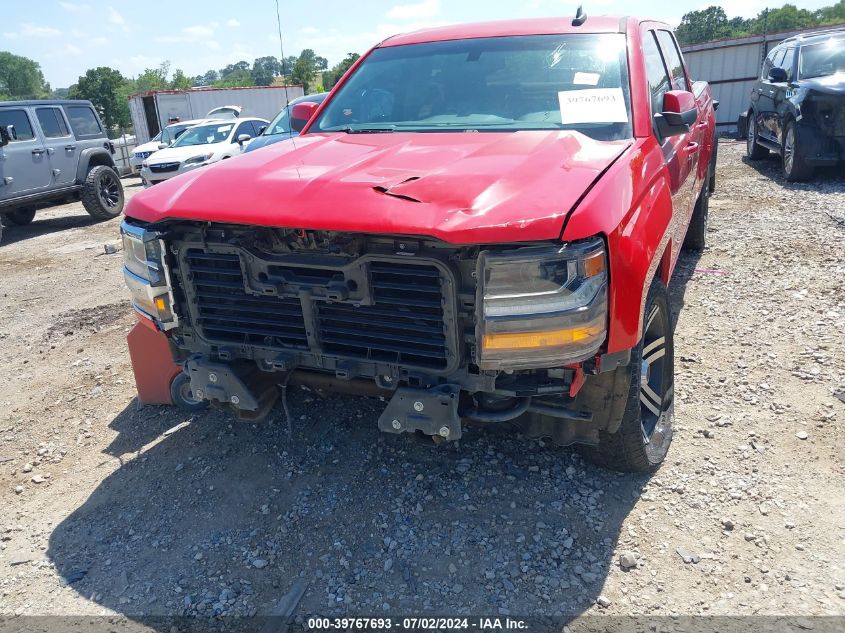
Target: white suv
[199, 146]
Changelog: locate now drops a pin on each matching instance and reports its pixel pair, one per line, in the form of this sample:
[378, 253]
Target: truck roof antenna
[580, 17]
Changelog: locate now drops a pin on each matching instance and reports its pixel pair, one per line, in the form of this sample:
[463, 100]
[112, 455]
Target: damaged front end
[821, 116]
[445, 333]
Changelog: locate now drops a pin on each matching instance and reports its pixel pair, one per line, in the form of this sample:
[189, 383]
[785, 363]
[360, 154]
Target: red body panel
[478, 188]
[152, 363]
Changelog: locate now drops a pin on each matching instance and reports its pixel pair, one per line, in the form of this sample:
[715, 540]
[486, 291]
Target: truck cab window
[658, 79]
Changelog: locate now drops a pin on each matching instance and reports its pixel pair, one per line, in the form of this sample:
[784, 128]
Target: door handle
[70, 148]
[702, 125]
[692, 147]
[37, 152]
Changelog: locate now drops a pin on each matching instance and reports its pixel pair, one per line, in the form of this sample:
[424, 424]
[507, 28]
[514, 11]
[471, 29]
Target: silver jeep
[51, 152]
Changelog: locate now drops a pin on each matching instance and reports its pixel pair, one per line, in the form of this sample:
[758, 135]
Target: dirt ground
[103, 511]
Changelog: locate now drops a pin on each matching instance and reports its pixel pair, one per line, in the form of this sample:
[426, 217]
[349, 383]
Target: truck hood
[462, 188]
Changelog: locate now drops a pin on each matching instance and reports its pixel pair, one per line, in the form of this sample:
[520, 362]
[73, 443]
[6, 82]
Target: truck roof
[31, 102]
[502, 28]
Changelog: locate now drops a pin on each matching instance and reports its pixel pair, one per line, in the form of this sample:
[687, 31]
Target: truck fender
[90, 157]
[632, 209]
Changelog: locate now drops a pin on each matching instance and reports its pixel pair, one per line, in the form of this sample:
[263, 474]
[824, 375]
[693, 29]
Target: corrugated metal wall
[731, 67]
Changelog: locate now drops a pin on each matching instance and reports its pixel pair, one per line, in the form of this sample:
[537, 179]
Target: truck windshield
[205, 134]
[819, 60]
[535, 82]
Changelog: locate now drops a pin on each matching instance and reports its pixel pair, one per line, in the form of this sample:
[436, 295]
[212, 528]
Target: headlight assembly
[542, 306]
[146, 275]
[196, 160]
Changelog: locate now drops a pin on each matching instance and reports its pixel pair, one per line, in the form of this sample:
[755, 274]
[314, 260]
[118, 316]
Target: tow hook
[249, 391]
[433, 411]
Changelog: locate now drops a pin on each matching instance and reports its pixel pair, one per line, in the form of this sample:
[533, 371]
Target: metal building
[731, 67]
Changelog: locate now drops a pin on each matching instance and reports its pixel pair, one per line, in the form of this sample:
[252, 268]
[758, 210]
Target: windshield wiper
[365, 130]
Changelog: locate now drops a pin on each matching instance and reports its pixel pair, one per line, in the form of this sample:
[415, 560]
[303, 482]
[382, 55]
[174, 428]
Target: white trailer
[151, 111]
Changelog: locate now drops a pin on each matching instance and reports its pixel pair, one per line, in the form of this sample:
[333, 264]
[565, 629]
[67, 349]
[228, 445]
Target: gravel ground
[105, 509]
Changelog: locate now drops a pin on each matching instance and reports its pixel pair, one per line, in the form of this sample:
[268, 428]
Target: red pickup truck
[479, 224]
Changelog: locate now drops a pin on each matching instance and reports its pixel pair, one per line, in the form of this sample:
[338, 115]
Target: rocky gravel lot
[106, 508]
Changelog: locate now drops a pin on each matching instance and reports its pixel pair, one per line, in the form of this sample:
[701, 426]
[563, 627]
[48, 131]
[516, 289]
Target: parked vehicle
[200, 145]
[51, 151]
[798, 105]
[479, 224]
[173, 131]
[280, 128]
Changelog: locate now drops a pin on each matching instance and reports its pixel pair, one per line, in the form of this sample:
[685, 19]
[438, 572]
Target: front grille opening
[404, 326]
[227, 313]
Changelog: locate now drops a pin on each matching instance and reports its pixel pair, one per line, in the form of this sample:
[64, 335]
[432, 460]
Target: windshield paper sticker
[586, 79]
[592, 105]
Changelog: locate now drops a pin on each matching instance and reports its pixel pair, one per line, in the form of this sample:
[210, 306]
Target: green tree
[105, 88]
[21, 78]
[304, 69]
[333, 76]
[264, 69]
[832, 14]
[235, 79]
[703, 26]
[180, 80]
[153, 78]
[787, 18]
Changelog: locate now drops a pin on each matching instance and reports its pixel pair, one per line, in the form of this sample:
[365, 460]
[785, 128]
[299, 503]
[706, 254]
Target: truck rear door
[24, 164]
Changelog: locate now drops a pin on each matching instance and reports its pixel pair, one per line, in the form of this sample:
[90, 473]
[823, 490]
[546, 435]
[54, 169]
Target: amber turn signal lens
[594, 264]
[161, 304]
[534, 340]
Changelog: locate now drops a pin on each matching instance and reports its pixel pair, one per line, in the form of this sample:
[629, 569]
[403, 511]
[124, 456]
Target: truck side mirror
[777, 75]
[678, 114]
[301, 113]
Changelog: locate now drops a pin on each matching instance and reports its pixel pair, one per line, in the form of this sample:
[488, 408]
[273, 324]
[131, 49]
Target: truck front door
[680, 152]
[24, 164]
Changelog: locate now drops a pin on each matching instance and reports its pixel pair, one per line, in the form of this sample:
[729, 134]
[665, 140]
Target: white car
[199, 146]
[173, 131]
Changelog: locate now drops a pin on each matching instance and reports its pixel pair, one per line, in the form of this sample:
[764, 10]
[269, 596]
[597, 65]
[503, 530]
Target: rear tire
[711, 182]
[20, 217]
[795, 165]
[753, 149]
[183, 397]
[696, 238]
[642, 441]
[102, 193]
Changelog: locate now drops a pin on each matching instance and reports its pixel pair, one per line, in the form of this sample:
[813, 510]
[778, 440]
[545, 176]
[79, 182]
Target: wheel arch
[92, 157]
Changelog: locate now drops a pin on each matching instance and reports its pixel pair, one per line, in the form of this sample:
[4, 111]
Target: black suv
[798, 105]
[52, 151]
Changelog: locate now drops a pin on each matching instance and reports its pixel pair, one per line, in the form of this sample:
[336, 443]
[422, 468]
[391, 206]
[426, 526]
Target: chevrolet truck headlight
[146, 275]
[542, 306]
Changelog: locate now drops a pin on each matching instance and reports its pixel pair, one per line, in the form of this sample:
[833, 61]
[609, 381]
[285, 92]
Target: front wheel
[753, 149]
[642, 440]
[795, 166]
[102, 193]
